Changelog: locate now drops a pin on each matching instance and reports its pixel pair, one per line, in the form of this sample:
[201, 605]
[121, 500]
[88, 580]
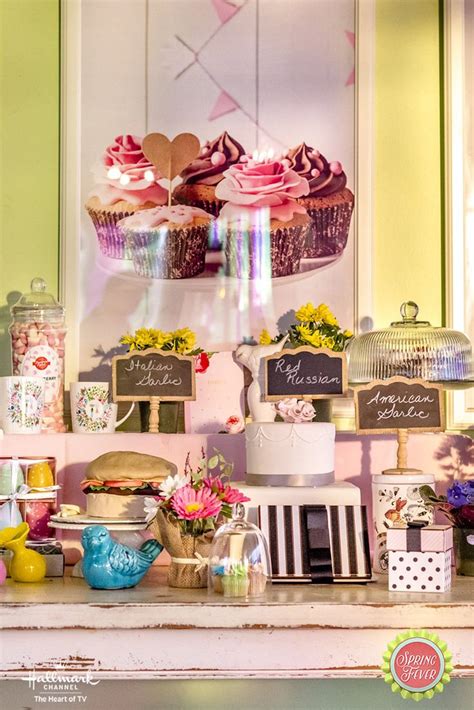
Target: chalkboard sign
[158, 374]
[399, 403]
[306, 373]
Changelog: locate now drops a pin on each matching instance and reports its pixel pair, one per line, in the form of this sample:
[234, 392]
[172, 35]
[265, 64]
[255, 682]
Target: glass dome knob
[38, 285]
[409, 311]
[238, 511]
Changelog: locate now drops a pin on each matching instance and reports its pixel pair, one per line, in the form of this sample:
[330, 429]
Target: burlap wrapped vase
[189, 555]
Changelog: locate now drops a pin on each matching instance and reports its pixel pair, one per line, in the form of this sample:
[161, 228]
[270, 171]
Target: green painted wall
[29, 145]
[408, 216]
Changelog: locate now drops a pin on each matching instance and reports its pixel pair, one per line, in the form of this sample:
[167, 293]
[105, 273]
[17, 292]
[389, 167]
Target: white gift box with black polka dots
[419, 571]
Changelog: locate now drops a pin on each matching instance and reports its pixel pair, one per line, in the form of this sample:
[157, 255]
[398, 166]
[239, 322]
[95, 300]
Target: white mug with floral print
[21, 404]
[91, 412]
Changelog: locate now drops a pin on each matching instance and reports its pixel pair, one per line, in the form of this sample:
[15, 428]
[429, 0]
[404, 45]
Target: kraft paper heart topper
[171, 157]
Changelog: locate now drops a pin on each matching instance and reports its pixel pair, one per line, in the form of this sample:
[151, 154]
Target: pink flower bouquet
[187, 512]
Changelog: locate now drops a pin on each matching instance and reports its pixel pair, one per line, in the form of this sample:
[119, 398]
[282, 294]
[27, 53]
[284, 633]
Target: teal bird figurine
[109, 565]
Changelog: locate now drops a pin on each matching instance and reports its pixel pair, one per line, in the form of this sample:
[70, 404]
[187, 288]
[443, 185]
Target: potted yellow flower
[182, 341]
[318, 327]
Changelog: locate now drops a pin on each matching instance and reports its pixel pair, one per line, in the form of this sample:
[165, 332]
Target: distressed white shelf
[153, 631]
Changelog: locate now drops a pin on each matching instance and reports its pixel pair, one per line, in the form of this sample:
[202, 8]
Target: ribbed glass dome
[411, 348]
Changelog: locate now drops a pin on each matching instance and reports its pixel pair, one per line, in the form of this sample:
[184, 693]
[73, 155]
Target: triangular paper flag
[224, 104]
[225, 10]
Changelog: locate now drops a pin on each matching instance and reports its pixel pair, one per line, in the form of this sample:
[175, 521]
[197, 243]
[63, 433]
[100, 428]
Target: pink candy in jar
[38, 332]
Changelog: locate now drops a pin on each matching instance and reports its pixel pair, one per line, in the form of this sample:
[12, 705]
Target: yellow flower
[324, 313]
[329, 342]
[308, 336]
[186, 339]
[265, 337]
[348, 333]
[306, 314]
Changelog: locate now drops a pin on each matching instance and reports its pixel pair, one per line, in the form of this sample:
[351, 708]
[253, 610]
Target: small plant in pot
[182, 341]
[186, 514]
[458, 506]
[316, 327]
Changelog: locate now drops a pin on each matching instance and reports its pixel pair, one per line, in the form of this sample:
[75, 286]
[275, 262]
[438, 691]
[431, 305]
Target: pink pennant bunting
[225, 10]
[224, 104]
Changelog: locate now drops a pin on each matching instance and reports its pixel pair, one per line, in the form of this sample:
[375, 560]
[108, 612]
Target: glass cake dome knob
[239, 561]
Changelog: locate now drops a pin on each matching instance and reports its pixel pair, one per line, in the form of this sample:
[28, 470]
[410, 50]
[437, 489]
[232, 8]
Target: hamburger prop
[117, 483]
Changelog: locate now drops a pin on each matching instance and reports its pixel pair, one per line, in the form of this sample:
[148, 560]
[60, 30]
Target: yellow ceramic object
[39, 475]
[26, 565]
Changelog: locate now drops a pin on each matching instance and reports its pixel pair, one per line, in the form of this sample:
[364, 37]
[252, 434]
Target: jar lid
[411, 348]
[38, 303]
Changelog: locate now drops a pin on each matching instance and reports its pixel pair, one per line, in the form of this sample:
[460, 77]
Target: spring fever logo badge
[417, 664]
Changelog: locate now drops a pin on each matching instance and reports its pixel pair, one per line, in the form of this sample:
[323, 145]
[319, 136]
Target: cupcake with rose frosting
[202, 175]
[329, 202]
[168, 242]
[125, 183]
[265, 226]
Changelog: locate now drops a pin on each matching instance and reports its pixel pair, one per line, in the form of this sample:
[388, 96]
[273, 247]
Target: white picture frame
[459, 186]
[71, 207]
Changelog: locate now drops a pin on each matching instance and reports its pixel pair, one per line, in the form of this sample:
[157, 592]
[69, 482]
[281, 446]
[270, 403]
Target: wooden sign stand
[153, 376]
[319, 388]
[430, 419]
[402, 456]
[154, 423]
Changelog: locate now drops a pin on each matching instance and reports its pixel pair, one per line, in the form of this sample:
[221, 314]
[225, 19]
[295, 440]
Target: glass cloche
[239, 561]
[411, 348]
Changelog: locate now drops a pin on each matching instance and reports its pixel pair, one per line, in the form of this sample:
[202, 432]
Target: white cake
[108, 505]
[286, 454]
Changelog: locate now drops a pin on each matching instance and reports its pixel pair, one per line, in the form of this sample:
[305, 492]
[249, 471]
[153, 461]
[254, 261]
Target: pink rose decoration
[125, 173]
[266, 184]
[295, 411]
[234, 425]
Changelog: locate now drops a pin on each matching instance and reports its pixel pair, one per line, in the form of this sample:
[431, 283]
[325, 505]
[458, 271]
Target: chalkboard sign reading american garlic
[399, 403]
[153, 374]
[305, 373]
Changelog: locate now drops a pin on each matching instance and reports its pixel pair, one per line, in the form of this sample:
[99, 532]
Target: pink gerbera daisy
[190, 504]
[233, 495]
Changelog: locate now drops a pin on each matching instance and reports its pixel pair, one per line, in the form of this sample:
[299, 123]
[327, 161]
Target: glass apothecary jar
[239, 561]
[37, 336]
[411, 348]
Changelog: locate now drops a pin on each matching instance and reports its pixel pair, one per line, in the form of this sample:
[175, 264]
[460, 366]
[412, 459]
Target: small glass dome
[239, 561]
[38, 305]
[410, 348]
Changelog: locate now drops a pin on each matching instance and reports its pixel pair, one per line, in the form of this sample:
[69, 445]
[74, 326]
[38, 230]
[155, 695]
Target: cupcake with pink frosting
[329, 202]
[125, 183]
[265, 226]
[202, 175]
[168, 242]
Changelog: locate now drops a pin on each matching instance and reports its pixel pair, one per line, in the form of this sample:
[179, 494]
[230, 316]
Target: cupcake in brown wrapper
[125, 183]
[331, 221]
[105, 219]
[202, 196]
[255, 253]
[329, 202]
[168, 242]
[203, 174]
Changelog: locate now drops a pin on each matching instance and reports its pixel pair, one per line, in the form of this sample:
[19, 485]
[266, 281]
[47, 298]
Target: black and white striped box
[339, 544]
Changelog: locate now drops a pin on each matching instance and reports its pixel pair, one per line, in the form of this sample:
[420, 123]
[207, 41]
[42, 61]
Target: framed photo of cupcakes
[261, 215]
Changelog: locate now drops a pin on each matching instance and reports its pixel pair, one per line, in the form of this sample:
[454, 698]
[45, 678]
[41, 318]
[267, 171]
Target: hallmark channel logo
[60, 686]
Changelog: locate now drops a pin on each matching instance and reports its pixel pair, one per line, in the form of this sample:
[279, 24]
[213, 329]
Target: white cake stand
[126, 532]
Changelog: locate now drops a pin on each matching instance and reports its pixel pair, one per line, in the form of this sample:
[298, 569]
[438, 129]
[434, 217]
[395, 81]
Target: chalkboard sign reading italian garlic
[305, 373]
[399, 403]
[153, 375]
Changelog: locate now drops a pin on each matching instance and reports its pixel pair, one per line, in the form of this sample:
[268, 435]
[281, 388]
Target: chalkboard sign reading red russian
[305, 373]
[141, 375]
[399, 403]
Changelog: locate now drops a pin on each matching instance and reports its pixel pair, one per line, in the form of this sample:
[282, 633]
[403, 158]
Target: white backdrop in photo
[272, 73]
